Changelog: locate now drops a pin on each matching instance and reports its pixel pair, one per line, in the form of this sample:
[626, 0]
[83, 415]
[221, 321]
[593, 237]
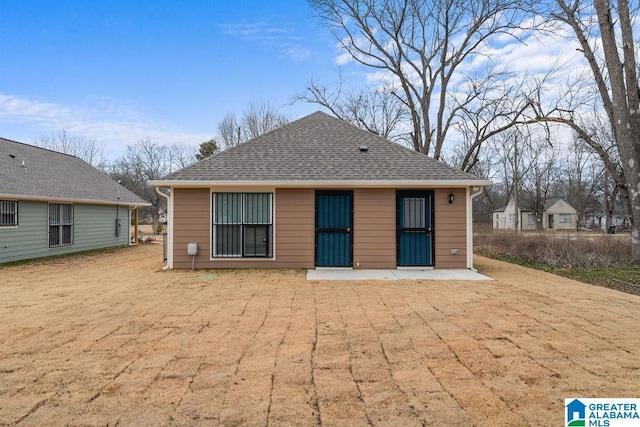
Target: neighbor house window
[60, 225]
[242, 225]
[564, 218]
[512, 219]
[530, 220]
[8, 213]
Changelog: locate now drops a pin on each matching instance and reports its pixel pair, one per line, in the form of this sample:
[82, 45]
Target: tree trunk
[625, 98]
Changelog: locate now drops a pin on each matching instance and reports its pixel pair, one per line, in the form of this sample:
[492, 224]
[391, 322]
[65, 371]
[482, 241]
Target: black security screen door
[415, 228]
[334, 216]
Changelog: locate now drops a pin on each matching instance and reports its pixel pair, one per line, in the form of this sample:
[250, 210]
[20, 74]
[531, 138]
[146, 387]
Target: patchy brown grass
[109, 339]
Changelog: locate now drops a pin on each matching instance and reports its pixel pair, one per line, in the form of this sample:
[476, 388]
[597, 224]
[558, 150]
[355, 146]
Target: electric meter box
[192, 248]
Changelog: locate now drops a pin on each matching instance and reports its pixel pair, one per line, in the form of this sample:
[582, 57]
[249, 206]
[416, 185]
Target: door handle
[348, 230]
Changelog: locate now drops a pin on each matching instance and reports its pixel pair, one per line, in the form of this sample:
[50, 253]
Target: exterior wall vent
[364, 148]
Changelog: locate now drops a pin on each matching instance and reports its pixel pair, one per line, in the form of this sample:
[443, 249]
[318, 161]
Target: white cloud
[269, 36]
[109, 122]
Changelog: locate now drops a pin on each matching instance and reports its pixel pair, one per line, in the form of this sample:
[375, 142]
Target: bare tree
[229, 131]
[426, 48]
[257, 119]
[144, 161]
[79, 146]
[180, 156]
[377, 110]
[605, 32]
[538, 183]
[582, 177]
[516, 153]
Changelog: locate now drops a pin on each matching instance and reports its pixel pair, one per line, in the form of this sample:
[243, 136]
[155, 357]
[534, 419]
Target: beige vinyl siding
[191, 223]
[294, 230]
[374, 228]
[450, 228]
[295, 227]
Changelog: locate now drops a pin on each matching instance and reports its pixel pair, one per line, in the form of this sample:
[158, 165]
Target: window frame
[531, 220]
[243, 223]
[564, 218]
[14, 214]
[60, 225]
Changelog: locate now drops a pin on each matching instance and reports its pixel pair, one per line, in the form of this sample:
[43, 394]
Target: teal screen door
[334, 216]
[414, 228]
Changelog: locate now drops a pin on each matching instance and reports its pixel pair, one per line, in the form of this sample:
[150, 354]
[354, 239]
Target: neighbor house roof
[522, 206]
[319, 148]
[553, 200]
[34, 173]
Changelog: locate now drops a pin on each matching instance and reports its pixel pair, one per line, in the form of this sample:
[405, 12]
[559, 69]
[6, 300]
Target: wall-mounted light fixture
[451, 197]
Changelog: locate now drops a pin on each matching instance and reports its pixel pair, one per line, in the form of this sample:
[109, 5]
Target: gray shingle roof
[49, 174]
[552, 201]
[318, 147]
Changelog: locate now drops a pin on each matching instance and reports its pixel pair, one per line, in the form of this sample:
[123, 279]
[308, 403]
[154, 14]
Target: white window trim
[212, 226]
[17, 215]
[73, 226]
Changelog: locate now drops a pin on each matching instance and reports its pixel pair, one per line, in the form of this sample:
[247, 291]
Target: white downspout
[131, 209]
[470, 196]
[169, 227]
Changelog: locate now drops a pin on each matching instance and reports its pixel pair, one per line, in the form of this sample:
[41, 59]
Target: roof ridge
[320, 146]
[248, 141]
[244, 143]
[388, 141]
[39, 148]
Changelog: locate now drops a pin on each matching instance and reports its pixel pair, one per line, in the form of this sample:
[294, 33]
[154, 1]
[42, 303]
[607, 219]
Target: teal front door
[414, 228]
[334, 216]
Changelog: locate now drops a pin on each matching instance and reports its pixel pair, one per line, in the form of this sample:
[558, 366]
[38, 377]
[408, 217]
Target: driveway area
[110, 339]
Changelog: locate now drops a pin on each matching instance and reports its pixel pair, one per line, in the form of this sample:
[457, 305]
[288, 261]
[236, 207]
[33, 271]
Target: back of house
[319, 192]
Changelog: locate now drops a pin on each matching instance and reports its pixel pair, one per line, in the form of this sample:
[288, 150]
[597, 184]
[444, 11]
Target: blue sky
[119, 71]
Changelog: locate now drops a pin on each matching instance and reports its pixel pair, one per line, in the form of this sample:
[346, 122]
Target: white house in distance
[617, 219]
[558, 215]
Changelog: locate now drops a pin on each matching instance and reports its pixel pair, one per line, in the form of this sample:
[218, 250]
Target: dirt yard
[110, 339]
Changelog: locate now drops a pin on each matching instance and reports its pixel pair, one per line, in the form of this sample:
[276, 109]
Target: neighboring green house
[53, 203]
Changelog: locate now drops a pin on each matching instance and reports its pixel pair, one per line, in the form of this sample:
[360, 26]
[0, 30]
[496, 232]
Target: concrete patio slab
[349, 274]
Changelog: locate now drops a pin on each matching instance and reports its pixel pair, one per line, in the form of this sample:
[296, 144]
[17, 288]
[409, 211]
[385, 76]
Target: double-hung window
[60, 225]
[242, 225]
[8, 213]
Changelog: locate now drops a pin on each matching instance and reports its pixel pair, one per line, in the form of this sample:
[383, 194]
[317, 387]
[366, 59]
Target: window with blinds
[242, 225]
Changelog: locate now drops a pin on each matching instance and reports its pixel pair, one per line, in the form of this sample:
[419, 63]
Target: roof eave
[71, 200]
[448, 183]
